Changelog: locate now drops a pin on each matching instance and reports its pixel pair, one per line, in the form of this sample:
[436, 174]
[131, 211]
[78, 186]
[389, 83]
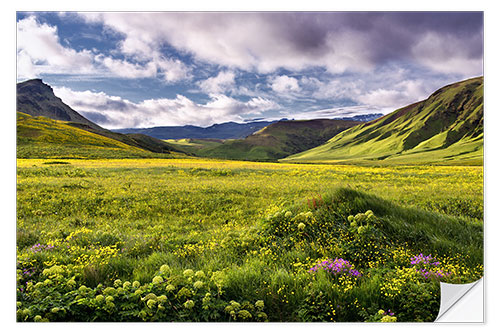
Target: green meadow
[212, 240]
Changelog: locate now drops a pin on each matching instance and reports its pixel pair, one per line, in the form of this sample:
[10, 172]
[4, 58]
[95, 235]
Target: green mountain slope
[446, 128]
[137, 140]
[278, 140]
[36, 98]
[41, 137]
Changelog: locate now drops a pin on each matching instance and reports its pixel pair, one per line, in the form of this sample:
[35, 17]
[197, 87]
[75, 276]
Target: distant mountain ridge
[229, 130]
[363, 117]
[222, 131]
[447, 127]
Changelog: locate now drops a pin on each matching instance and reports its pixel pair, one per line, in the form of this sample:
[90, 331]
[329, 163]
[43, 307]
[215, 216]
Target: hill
[446, 128]
[275, 141]
[195, 146]
[42, 137]
[37, 99]
[137, 140]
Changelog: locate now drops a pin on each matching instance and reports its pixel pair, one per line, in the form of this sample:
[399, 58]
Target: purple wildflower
[427, 267]
[40, 247]
[28, 272]
[336, 266]
[426, 260]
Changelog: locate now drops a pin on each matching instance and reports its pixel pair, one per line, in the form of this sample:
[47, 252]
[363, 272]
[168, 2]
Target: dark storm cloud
[386, 35]
[306, 32]
[400, 31]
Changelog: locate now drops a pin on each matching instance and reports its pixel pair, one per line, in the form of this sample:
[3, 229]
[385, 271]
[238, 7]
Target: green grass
[194, 146]
[238, 223]
[444, 129]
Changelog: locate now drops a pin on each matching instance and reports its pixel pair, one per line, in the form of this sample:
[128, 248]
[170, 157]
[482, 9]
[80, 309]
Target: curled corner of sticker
[462, 303]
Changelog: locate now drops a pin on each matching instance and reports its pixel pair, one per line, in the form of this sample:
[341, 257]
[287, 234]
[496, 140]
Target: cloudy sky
[158, 69]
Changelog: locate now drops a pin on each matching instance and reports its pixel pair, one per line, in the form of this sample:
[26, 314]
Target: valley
[300, 220]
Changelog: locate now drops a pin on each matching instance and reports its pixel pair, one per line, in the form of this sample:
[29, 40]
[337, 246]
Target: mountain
[37, 99]
[229, 130]
[446, 128]
[275, 141]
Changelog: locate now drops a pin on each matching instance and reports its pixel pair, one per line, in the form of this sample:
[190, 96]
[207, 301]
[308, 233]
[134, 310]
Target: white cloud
[172, 70]
[344, 88]
[382, 97]
[391, 93]
[401, 94]
[39, 51]
[123, 68]
[115, 112]
[224, 81]
[25, 66]
[369, 59]
[348, 51]
[284, 84]
[415, 90]
[447, 54]
[338, 112]
[91, 101]
[260, 103]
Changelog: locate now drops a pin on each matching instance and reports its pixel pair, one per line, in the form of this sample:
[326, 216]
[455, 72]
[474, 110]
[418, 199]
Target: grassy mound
[416, 229]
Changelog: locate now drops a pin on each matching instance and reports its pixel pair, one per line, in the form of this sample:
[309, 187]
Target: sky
[146, 69]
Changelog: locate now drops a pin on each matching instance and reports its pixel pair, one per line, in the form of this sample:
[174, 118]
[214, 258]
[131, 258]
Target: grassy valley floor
[208, 240]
